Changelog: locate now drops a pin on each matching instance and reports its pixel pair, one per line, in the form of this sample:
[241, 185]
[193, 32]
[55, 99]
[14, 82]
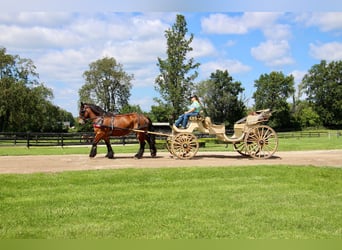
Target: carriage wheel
[261, 142]
[184, 146]
[240, 148]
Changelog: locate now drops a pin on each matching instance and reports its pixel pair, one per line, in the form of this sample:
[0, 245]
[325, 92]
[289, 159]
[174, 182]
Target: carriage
[251, 137]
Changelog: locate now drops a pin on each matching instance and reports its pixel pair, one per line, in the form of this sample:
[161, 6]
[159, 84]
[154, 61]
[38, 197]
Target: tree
[131, 109]
[221, 98]
[272, 91]
[323, 87]
[306, 116]
[160, 112]
[175, 81]
[107, 85]
[24, 101]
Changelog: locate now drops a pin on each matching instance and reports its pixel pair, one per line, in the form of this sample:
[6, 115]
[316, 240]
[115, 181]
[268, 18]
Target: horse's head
[89, 111]
[84, 113]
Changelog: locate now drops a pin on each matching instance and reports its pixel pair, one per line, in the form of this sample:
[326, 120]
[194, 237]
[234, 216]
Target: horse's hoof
[110, 156]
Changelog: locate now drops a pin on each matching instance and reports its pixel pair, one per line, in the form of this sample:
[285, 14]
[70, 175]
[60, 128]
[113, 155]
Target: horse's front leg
[110, 152]
[93, 150]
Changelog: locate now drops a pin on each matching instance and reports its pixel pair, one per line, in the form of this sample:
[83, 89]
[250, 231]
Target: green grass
[285, 144]
[279, 202]
[262, 202]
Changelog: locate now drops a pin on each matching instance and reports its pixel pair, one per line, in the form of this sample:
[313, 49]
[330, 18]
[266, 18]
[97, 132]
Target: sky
[246, 39]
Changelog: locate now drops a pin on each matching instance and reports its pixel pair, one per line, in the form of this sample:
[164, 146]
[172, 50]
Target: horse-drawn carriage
[251, 138]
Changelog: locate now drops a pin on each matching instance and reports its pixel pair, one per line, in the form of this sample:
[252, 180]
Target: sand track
[59, 163]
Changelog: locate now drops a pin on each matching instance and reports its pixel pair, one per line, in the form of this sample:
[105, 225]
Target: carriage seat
[198, 117]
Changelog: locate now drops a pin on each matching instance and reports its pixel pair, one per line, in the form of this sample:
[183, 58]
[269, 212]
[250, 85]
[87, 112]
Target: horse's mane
[101, 112]
[97, 110]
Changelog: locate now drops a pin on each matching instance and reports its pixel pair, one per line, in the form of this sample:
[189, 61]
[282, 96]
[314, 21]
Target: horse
[106, 124]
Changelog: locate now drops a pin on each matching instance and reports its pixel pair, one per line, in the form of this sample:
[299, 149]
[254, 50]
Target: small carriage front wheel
[261, 142]
[184, 146]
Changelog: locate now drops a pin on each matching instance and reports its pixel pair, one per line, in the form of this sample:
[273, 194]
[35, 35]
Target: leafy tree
[323, 87]
[107, 85]
[306, 116]
[272, 91]
[220, 96]
[24, 101]
[161, 112]
[131, 109]
[175, 81]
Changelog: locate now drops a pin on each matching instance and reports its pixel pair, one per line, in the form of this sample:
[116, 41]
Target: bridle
[83, 113]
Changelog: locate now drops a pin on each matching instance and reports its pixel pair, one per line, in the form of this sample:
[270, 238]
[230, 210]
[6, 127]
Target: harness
[98, 122]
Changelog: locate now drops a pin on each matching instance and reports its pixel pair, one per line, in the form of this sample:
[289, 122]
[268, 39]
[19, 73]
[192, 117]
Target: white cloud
[273, 53]
[37, 37]
[238, 24]
[325, 21]
[232, 66]
[298, 75]
[328, 51]
[201, 48]
[31, 19]
[277, 32]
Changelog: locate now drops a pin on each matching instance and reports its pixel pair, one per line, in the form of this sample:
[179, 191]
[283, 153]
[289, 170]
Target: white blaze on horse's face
[81, 121]
[81, 118]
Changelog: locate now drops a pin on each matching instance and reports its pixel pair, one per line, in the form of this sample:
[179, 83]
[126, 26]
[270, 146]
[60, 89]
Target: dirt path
[53, 163]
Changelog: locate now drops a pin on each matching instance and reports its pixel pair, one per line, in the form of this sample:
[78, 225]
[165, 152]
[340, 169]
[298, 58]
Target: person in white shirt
[193, 110]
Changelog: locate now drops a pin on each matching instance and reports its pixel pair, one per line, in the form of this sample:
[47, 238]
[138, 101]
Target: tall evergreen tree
[177, 71]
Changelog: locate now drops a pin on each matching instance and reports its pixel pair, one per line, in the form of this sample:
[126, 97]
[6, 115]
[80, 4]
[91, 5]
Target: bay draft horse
[107, 124]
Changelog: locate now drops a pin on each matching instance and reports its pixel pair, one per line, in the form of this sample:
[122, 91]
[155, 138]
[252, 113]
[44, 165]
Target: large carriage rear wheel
[240, 148]
[261, 142]
[184, 145]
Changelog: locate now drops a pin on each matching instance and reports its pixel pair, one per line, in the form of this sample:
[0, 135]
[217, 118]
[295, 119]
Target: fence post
[28, 139]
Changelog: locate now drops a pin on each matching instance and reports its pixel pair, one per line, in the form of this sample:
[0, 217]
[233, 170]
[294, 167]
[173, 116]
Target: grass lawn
[261, 202]
[285, 144]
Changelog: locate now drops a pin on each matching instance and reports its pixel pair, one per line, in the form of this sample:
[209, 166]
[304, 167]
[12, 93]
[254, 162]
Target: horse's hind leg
[152, 143]
[110, 152]
[141, 150]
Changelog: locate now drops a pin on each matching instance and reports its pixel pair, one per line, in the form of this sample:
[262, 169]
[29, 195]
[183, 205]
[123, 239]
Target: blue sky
[246, 41]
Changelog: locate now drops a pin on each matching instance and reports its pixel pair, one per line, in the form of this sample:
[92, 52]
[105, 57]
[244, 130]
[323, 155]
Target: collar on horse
[98, 123]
